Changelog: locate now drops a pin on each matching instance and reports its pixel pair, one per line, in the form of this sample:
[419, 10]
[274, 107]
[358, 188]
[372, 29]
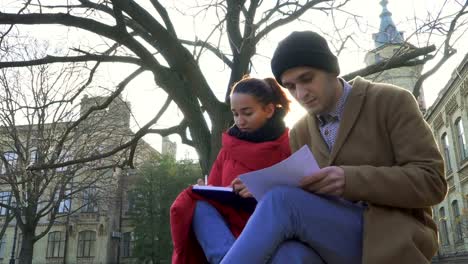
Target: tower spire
[388, 33]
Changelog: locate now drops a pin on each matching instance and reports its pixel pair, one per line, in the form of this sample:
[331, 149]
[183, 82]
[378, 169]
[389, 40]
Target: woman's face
[249, 114]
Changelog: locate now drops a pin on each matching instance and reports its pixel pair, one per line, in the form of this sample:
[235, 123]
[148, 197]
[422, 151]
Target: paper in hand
[288, 172]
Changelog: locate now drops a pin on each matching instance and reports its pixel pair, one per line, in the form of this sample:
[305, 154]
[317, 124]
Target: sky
[403, 13]
[145, 97]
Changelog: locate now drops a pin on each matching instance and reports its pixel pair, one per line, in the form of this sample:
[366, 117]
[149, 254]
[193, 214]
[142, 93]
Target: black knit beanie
[303, 48]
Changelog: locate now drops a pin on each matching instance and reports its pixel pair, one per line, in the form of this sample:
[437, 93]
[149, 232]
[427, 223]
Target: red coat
[236, 157]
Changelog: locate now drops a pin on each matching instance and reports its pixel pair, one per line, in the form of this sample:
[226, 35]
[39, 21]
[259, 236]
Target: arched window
[461, 138]
[443, 227]
[457, 221]
[86, 244]
[56, 244]
[446, 146]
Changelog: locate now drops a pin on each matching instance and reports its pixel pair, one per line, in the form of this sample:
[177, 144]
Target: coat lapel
[351, 112]
[317, 145]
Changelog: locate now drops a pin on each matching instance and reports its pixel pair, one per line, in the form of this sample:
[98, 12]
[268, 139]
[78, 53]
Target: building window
[65, 203]
[56, 245]
[2, 246]
[33, 156]
[446, 146]
[461, 138]
[457, 221]
[64, 157]
[86, 243]
[133, 198]
[4, 199]
[12, 159]
[89, 200]
[443, 227]
[127, 244]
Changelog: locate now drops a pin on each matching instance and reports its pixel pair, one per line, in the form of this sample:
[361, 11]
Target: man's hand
[329, 180]
[240, 188]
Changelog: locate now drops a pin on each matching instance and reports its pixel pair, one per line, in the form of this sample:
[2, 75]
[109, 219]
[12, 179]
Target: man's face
[316, 90]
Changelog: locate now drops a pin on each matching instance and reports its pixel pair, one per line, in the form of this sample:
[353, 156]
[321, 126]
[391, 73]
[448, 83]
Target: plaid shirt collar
[336, 114]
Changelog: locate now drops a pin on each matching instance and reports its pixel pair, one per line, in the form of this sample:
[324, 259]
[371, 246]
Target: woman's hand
[240, 188]
[200, 181]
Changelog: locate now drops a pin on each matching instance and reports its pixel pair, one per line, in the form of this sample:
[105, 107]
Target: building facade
[99, 229]
[448, 117]
[168, 147]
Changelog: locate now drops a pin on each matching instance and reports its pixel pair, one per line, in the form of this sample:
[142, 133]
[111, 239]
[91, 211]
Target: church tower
[390, 42]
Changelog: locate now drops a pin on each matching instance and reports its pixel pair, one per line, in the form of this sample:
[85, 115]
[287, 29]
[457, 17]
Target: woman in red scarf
[204, 230]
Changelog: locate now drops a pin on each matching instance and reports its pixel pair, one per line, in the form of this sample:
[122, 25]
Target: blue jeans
[295, 252]
[216, 239]
[211, 231]
[331, 227]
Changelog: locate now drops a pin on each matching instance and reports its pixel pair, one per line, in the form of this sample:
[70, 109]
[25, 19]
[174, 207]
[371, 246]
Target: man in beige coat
[375, 151]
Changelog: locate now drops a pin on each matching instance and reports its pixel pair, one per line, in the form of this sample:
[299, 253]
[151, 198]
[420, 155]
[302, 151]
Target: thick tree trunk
[221, 122]
[241, 65]
[208, 145]
[27, 246]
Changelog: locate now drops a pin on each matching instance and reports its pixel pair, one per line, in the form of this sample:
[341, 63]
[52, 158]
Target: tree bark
[27, 246]
[221, 121]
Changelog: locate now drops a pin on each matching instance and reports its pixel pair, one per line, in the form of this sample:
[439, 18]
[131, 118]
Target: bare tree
[143, 34]
[446, 26]
[55, 150]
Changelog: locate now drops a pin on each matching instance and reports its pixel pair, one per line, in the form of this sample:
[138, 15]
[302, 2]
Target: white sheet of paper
[212, 188]
[287, 172]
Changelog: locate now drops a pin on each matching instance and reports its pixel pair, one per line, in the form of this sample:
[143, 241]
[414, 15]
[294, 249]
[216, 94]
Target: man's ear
[270, 109]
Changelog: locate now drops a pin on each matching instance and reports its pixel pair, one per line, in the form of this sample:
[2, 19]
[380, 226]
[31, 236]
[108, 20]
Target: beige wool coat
[391, 161]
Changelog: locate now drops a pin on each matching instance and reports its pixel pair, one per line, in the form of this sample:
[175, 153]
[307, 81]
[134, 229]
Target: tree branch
[449, 51]
[165, 17]
[210, 47]
[60, 18]
[119, 18]
[291, 17]
[178, 58]
[394, 62]
[83, 117]
[144, 130]
[54, 59]
[2, 35]
[180, 129]
[232, 23]
[86, 24]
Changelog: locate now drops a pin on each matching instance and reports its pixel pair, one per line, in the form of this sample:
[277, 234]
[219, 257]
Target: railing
[89, 216]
